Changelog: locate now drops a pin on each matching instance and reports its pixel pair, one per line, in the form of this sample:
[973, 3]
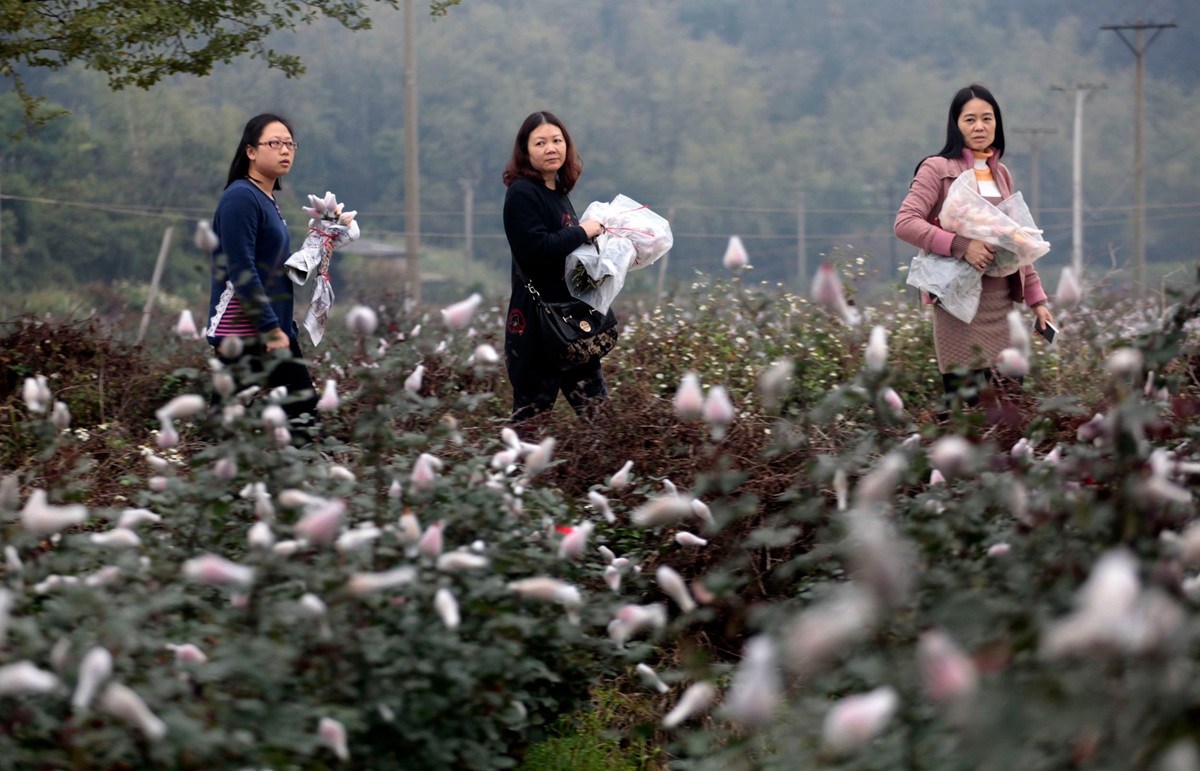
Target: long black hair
[240, 166]
[955, 142]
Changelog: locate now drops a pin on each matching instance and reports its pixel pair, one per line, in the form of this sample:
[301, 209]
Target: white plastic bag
[954, 282]
[634, 237]
[1008, 226]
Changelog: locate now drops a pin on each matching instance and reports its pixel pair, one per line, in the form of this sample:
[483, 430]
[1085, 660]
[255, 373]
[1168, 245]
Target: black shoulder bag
[575, 330]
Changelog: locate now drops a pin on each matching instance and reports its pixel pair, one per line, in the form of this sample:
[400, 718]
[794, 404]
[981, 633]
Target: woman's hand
[979, 255]
[1043, 316]
[276, 339]
[593, 228]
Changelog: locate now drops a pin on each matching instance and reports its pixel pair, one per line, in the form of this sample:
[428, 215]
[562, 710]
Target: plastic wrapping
[954, 282]
[329, 229]
[1008, 226]
[634, 237]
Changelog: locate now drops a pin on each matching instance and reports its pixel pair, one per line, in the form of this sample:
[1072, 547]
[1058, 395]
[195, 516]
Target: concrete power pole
[468, 186]
[412, 165]
[801, 237]
[1034, 177]
[1081, 93]
[1139, 46]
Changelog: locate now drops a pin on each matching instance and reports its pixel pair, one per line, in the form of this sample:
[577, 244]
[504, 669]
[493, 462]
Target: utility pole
[1139, 46]
[468, 186]
[1034, 184]
[661, 284]
[412, 166]
[801, 237]
[1081, 93]
[1, 211]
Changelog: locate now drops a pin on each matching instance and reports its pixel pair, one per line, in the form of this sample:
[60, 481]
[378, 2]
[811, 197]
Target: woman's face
[977, 122]
[267, 161]
[547, 150]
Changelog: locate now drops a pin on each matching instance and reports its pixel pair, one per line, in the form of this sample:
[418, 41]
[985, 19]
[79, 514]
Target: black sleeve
[529, 233]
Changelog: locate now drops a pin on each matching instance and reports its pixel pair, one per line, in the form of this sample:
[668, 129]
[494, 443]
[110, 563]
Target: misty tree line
[717, 113]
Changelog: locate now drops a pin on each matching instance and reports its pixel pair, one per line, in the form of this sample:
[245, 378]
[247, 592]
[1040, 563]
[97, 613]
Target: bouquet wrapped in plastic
[329, 228]
[1008, 226]
[634, 237]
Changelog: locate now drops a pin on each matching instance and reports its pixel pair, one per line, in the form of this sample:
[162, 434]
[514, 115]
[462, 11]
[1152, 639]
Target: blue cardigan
[248, 263]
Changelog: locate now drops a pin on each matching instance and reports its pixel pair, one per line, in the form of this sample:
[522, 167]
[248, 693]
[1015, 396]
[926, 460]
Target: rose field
[769, 550]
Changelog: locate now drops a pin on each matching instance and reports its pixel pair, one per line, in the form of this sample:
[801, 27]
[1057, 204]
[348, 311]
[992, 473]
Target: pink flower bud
[948, 674]
[273, 416]
[612, 577]
[333, 735]
[119, 537]
[182, 407]
[718, 410]
[600, 503]
[459, 561]
[575, 543]
[539, 458]
[694, 701]
[621, 478]
[168, 437]
[205, 238]
[23, 677]
[672, 583]
[412, 383]
[773, 382]
[431, 540]
[424, 472]
[131, 518]
[362, 584]
[329, 401]
[36, 394]
[41, 518]
[458, 315]
[186, 326]
[361, 320]
[998, 550]
[322, 523]
[663, 510]
[217, 571]
[1012, 363]
[735, 257]
[689, 399]
[158, 484]
[757, 688]
[827, 292]
[225, 468]
[876, 354]
[856, 720]
[701, 511]
[632, 620]
[1068, 292]
[260, 536]
[121, 702]
[651, 678]
[60, 416]
[878, 485]
[447, 608]
[187, 653]
[684, 538]
[486, 354]
[893, 400]
[952, 455]
[95, 668]
[936, 478]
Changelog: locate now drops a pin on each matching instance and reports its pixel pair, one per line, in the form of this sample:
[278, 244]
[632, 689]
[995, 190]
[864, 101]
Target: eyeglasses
[276, 144]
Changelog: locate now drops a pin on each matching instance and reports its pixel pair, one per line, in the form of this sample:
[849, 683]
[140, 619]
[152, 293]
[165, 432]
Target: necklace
[260, 184]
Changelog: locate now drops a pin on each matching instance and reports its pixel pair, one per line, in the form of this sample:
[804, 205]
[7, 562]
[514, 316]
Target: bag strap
[528, 282]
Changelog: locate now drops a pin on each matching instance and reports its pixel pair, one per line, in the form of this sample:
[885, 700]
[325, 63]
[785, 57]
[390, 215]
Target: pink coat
[917, 222]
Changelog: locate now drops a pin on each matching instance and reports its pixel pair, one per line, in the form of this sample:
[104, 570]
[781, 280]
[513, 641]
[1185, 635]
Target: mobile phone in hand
[1049, 331]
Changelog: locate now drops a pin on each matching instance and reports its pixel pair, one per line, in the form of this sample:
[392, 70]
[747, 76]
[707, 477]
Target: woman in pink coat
[966, 352]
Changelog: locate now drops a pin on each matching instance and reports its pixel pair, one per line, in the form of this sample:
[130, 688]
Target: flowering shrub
[794, 559]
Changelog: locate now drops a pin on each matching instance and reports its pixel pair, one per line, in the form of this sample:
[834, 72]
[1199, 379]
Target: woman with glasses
[251, 297]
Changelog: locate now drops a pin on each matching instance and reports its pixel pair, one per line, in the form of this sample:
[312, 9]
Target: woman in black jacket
[542, 229]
